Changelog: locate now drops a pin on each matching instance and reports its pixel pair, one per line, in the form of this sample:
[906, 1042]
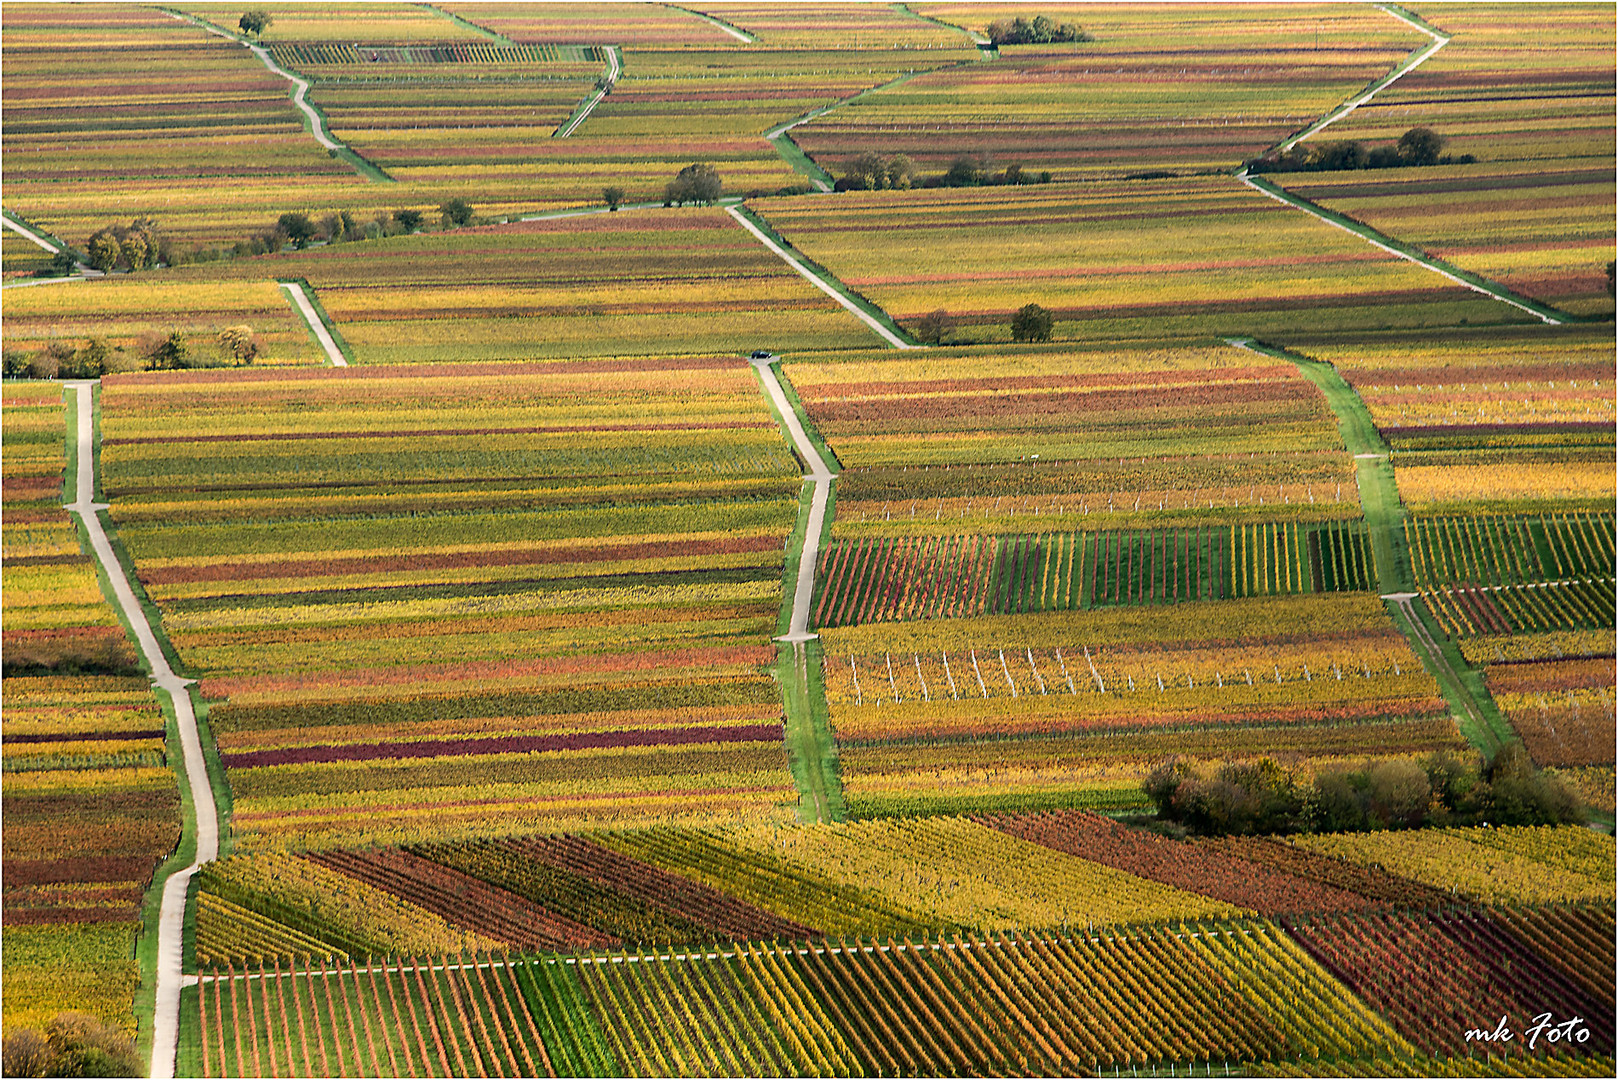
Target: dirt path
[29, 234]
[1411, 63]
[316, 323]
[814, 279]
[205, 825]
[614, 69]
[1388, 244]
[734, 31]
[1376, 239]
[821, 476]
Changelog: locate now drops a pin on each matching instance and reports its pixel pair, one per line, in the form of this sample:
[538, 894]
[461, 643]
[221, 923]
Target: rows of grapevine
[681, 1018]
[226, 930]
[892, 579]
[462, 899]
[412, 1018]
[1494, 549]
[1466, 609]
[1436, 977]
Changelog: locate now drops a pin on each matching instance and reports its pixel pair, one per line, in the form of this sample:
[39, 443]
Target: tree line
[896, 172]
[1416, 147]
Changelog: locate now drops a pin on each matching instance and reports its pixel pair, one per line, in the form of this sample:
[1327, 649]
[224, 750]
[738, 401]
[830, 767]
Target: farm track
[809, 741]
[1409, 64]
[1374, 237]
[300, 98]
[84, 272]
[614, 69]
[204, 817]
[838, 294]
[1463, 688]
[317, 325]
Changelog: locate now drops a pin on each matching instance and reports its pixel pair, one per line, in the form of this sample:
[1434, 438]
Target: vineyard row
[875, 579]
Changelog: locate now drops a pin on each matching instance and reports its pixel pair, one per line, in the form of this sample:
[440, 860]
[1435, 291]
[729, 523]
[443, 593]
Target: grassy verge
[185, 852]
[498, 39]
[809, 429]
[826, 275]
[715, 21]
[1462, 685]
[811, 748]
[46, 233]
[793, 155]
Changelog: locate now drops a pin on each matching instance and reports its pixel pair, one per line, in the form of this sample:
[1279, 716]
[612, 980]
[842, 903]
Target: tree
[240, 342]
[696, 183]
[407, 220]
[1032, 323]
[105, 251]
[137, 251]
[613, 197]
[965, 171]
[254, 22]
[932, 327]
[62, 264]
[456, 212]
[296, 228]
[171, 354]
[1420, 146]
[1343, 155]
[90, 362]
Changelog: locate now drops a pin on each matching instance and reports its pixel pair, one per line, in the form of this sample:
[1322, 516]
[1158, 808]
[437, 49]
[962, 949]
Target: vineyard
[1086, 113]
[889, 580]
[1531, 213]
[839, 539]
[388, 615]
[1115, 260]
[90, 803]
[1225, 992]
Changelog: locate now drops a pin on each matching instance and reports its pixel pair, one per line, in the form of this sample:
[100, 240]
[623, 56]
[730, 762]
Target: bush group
[1443, 789]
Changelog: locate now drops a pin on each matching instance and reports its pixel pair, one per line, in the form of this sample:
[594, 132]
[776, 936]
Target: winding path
[821, 476]
[299, 95]
[1365, 232]
[171, 920]
[1409, 65]
[1384, 519]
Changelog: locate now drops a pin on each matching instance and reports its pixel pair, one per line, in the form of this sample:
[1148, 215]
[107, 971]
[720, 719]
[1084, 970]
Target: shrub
[1032, 323]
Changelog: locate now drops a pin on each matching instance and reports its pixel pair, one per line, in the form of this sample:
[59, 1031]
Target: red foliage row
[1268, 890]
[1060, 404]
[705, 906]
[1370, 882]
[1436, 978]
[463, 900]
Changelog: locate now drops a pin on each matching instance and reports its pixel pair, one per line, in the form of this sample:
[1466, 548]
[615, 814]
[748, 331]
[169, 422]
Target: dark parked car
[761, 354]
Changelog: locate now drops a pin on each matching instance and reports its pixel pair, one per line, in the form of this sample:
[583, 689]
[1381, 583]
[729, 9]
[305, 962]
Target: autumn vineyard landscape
[808, 538]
